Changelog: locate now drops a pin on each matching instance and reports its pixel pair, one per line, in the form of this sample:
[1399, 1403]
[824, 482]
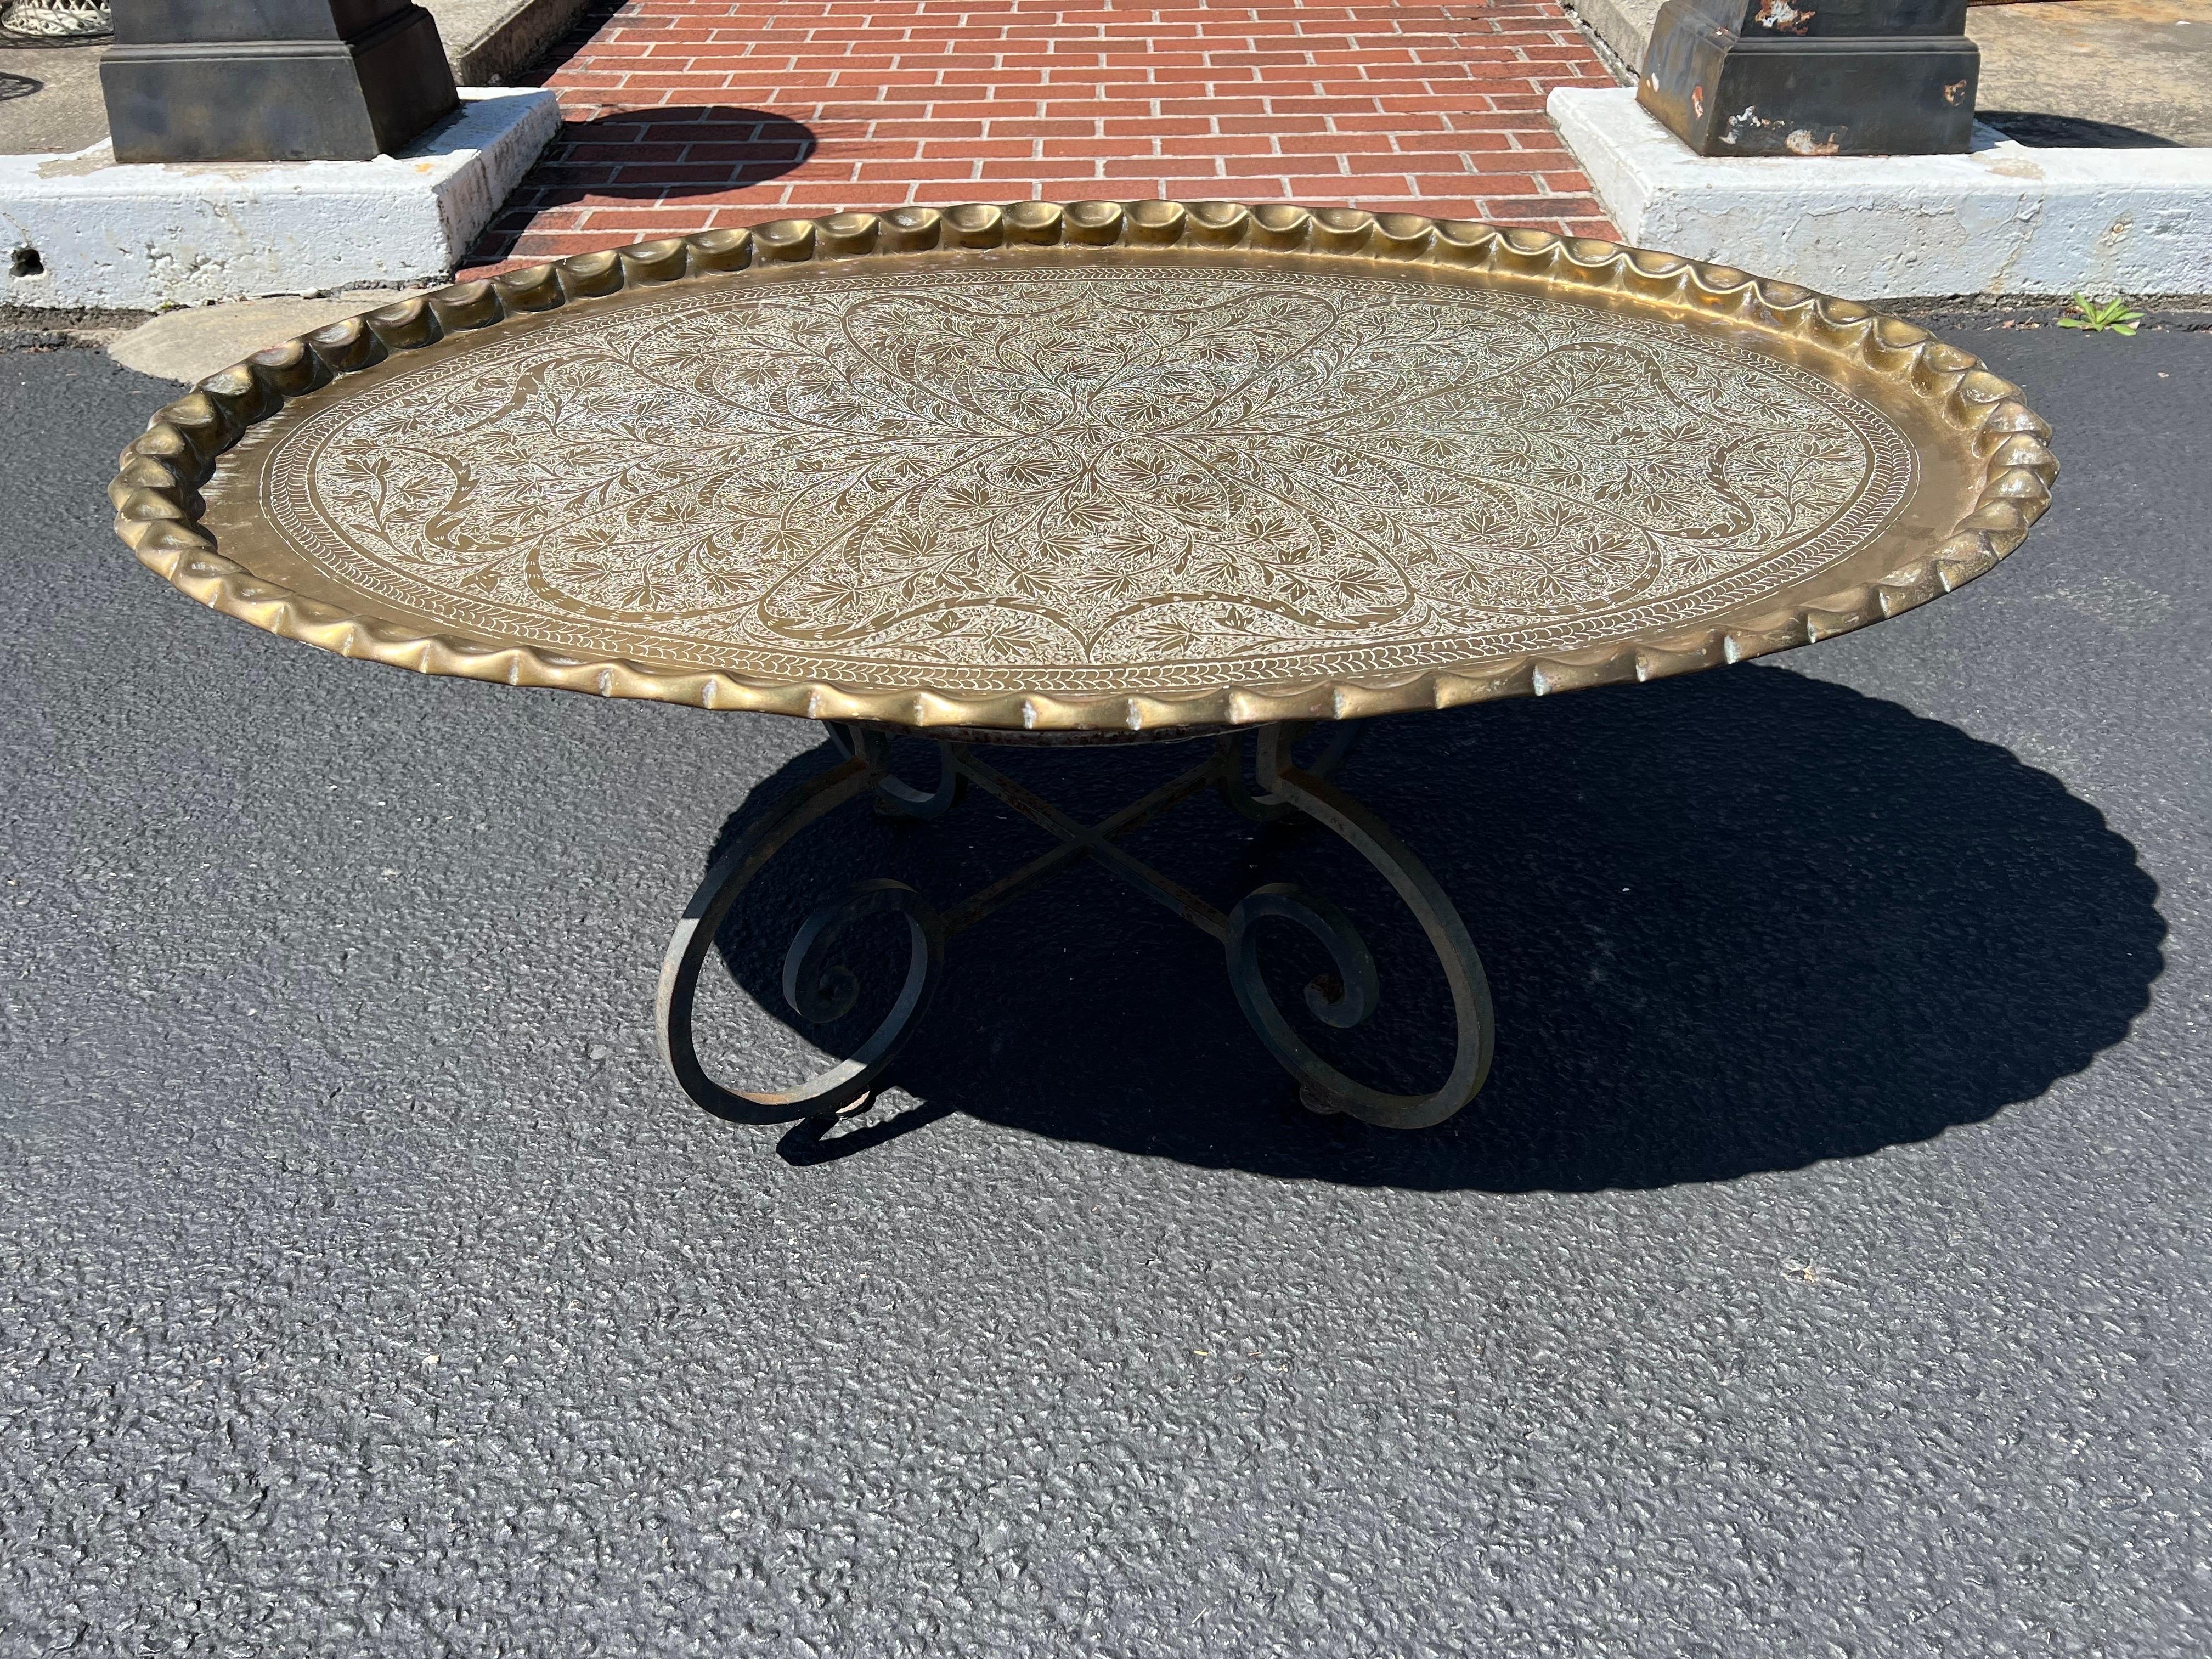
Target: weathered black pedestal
[1813, 77]
[272, 79]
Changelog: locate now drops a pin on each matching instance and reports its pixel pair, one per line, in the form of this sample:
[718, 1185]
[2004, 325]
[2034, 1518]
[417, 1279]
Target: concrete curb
[192, 342]
[84, 232]
[2004, 218]
[1624, 26]
[499, 51]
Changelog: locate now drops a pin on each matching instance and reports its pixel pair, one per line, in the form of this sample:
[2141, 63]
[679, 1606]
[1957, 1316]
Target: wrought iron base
[820, 988]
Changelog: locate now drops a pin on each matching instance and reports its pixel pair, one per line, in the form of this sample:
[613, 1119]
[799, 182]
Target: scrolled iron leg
[818, 985]
[895, 797]
[1345, 997]
[1265, 806]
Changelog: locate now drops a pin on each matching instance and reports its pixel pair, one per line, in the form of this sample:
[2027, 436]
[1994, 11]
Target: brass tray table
[1089, 473]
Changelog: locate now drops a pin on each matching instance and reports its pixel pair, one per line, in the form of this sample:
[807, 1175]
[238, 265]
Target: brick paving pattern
[684, 115]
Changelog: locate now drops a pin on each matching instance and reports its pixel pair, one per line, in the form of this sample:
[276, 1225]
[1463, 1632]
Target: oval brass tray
[1104, 467]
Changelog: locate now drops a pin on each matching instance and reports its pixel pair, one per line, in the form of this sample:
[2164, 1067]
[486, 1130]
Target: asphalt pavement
[1823, 1272]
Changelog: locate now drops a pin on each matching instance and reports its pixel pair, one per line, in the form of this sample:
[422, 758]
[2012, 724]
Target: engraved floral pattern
[1071, 475]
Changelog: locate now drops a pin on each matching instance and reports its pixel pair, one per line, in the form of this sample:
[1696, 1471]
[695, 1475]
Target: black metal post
[272, 79]
[1813, 77]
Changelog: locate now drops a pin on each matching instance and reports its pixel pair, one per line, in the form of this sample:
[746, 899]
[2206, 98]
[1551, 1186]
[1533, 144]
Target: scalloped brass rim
[158, 505]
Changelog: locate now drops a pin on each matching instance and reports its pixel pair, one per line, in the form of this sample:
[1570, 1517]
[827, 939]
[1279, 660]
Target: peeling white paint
[1802, 142]
[145, 236]
[2004, 219]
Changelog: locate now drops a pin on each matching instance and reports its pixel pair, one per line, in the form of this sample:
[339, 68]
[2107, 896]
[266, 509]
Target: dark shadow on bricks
[667, 153]
[1737, 922]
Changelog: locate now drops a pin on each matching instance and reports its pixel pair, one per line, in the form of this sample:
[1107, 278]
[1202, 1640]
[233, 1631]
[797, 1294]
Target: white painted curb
[81, 231]
[2004, 218]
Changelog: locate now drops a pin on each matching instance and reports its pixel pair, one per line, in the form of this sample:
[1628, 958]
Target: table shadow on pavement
[1742, 922]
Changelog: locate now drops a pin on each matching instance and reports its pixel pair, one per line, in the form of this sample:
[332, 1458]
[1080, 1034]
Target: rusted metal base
[1768, 77]
[819, 987]
[296, 81]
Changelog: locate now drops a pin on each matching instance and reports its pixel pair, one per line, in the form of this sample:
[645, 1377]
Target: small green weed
[2101, 316]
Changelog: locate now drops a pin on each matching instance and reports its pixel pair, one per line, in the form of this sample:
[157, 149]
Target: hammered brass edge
[158, 505]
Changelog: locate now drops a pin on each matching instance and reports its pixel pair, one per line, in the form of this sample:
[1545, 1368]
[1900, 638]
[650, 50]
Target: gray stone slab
[2143, 66]
[493, 43]
[1624, 25]
[192, 344]
[50, 100]
[1824, 1271]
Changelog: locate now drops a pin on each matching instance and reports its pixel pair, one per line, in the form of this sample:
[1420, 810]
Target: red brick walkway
[685, 114]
